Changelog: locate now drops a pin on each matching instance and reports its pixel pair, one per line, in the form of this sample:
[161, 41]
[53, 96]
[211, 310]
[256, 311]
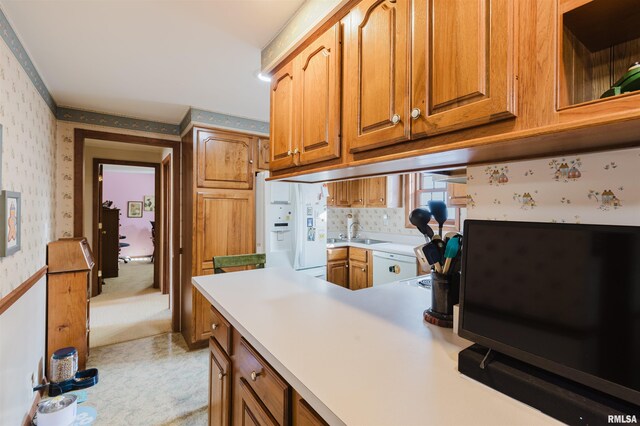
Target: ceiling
[152, 59]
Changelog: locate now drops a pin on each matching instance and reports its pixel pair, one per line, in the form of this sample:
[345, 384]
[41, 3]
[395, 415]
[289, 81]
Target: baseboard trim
[18, 292]
[28, 419]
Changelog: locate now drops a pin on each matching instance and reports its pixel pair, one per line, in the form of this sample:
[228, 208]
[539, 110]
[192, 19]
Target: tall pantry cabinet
[219, 213]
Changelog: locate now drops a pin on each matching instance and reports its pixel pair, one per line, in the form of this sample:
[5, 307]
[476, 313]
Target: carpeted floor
[150, 381]
[129, 307]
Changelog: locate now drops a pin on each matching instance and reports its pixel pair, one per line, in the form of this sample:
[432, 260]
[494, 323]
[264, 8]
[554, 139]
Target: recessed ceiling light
[264, 77]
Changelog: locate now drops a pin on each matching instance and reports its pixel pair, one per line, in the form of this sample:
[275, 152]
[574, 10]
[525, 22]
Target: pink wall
[122, 187]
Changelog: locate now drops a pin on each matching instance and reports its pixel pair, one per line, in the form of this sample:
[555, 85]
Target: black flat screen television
[562, 297]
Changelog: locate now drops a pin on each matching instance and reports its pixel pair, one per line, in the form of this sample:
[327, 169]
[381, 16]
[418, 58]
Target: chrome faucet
[350, 234]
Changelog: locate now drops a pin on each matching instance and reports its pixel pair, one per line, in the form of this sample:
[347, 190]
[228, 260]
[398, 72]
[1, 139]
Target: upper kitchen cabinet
[317, 100]
[598, 46]
[282, 118]
[376, 74]
[462, 64]
[383, 192]
[225, 159]
[264, 153]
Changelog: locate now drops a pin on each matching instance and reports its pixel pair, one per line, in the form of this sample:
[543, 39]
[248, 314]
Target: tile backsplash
[370, 220]
[596, 188]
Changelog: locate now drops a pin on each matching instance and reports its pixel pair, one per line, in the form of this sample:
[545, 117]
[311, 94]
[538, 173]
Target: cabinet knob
[254, 375]
[381, 199]
[395, 119]
[415, 113]
[295, 151]
[214, 327]
[220, 376]
[360, 200]
[364, 270]
[346, 266]
[250, 161]
[289, 153]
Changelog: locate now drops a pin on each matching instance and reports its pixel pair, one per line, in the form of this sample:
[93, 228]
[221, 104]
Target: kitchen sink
[366, 241]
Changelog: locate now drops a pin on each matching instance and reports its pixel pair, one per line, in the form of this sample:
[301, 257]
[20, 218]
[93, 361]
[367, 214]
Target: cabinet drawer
[270, 388]
[220, 329]
[341, 253]
[358, 254]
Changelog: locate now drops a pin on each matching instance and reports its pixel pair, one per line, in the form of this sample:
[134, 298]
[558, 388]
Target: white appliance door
[261, 218]
[311, 226]
[275, 221]
[390, 267]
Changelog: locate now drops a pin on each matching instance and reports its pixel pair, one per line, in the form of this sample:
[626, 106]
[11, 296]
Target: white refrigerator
[291, 225]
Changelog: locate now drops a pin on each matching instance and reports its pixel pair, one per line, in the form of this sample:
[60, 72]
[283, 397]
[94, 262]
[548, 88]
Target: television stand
[556, 396]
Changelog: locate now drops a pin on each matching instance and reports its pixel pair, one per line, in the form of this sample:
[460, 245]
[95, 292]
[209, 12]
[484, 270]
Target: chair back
[257, 259]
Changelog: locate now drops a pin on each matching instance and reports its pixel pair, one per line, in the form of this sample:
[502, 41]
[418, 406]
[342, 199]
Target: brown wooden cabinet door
[462, 64]
[219, 386]
[356, 193]
[317, 71]
[342, 194]
[264, 153]
[376, 72]
[201, 317]
[375, 192]
[457, 194]
[338, 273]
[358, 275]
[225, 159]
[225, 225]
[305, 415]
[252, 410]
[282, 118]
[331, 198]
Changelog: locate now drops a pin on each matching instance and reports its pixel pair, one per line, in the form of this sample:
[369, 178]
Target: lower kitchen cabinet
[252, 411]
[350, 267]
[358, 275]
[219, 385]
[304, 415]
[244, 389]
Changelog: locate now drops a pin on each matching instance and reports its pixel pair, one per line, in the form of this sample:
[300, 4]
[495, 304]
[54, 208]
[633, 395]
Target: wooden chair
[258, 260]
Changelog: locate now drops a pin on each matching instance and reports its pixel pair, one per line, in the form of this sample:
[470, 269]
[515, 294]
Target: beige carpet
[151, 381]
[129, 307]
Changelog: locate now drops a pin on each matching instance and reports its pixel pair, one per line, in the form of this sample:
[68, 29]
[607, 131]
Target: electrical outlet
[385, 219]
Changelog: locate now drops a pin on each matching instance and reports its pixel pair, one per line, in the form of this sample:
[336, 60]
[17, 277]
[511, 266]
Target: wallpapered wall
[28, 167]
[64, 155]
[596, 188]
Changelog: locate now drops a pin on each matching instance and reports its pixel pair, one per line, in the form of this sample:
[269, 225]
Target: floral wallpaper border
[599, 188]
[90, 117]
[195, 115]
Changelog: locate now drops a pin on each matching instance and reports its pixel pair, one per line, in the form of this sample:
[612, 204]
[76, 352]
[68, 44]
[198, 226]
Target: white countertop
[359, 357]
[396, 248]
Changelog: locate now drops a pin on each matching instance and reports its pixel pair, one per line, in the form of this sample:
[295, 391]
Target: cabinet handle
[289, 153]
[214, 327]
[250, 161]
[415, 113]
[364, 269]
[381, 199]
[295, 151]
[221, 375]
[346, 265]
[254, 375]
[395, 119]
[360, 200]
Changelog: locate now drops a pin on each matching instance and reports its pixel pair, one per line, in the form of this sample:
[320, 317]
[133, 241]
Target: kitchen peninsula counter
[359, 358]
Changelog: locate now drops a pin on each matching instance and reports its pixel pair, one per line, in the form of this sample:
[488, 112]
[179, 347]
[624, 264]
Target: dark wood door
[462, 64]
[225, 159]
[317, 72]
[109, 241]
[264, 153]
[376, 73]
[219, 386]
[282, 119]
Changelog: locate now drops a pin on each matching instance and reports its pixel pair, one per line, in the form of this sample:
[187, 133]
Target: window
[420, 188]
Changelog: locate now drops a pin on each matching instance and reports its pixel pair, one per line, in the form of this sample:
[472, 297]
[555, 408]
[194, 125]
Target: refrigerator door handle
[298, 245]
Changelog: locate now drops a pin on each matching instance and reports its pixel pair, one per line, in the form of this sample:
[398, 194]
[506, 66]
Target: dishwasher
[390, 267]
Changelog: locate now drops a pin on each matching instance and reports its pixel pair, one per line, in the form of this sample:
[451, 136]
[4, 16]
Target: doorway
[83, 138]
[129, 303]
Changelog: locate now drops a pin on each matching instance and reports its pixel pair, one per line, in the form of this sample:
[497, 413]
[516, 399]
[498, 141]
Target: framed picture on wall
[149, 203]
[11, 215]
[134, 209]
